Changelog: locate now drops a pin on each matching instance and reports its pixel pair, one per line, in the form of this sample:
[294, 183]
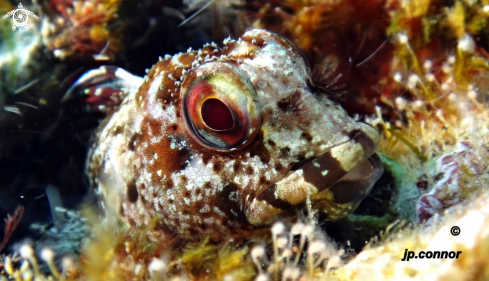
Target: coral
[117, 253]
[65, 237]
[80, 28]
[301, 251]
[29, 266]
[439, 109]
[383, 261]
[456, 176]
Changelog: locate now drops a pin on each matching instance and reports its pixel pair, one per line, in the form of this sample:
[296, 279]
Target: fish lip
[296, 166]
[330, 167]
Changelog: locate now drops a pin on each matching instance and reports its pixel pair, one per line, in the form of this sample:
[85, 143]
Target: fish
[222, 142]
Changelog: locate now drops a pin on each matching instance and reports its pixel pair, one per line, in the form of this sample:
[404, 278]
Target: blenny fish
[220, 142]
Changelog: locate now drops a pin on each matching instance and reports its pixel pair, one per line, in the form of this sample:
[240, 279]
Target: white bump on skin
[205, 209]
[175, 60]
[261, 83]
[245, 181]
[219, 212]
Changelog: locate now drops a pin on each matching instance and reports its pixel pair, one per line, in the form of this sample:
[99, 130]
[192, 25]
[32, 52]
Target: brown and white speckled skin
[144, 163]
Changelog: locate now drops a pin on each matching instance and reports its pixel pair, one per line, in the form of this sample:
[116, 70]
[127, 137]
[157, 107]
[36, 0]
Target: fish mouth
[358, 182]
[351, 187]
[325, 170]
[348, 173]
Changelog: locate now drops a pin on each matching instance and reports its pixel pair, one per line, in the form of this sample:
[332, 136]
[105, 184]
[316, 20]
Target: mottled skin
[144, 163]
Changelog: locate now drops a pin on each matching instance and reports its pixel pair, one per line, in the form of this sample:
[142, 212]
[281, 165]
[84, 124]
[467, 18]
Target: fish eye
[216, 115]
[219, 107]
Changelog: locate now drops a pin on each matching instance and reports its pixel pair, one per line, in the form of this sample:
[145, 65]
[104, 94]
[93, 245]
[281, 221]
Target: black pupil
[216, 115]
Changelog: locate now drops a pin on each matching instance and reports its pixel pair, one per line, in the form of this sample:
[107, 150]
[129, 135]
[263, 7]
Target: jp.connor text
[431, 255]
